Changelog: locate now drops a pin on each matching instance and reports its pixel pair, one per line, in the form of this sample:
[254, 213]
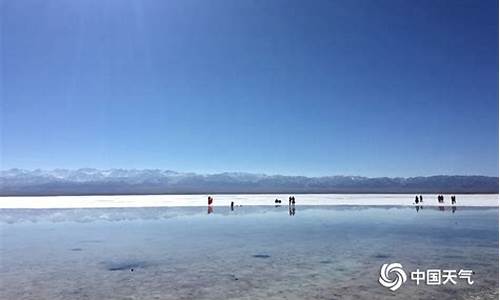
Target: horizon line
[245, 172]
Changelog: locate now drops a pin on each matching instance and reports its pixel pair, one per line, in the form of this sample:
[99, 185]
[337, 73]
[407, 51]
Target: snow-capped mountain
[155, 181]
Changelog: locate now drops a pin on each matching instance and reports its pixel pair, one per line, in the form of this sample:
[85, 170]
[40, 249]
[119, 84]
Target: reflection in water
[439, 208]
[210, 209]
[341, 249]
[88, 215]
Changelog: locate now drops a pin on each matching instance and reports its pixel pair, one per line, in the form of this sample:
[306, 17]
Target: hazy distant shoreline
[59, 182]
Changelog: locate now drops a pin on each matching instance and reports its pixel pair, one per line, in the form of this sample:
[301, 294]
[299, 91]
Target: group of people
[211, 201]
[453, 199]
[440, 198]
[419, 199]
[291, 200]
[291, 204]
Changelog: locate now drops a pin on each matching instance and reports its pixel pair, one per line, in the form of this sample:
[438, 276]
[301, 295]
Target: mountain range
[87, 181]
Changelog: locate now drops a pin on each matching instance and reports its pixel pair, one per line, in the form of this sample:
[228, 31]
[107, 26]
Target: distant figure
[291, 205]
[416, 199]
[232, 205]
[210, 200]
[453, 200]
[276, 201]
[421, 199]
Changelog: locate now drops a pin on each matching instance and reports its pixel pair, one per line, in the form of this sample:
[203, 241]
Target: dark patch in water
[234, 277]
[382, 256]
[125, 266]
[76, 249]
[261, 256]
[326, 262]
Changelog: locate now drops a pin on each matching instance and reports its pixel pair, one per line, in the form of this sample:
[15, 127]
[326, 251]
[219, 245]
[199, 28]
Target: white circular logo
[395, 282]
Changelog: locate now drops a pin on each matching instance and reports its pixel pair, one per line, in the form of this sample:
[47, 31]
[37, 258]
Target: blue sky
[374, 88]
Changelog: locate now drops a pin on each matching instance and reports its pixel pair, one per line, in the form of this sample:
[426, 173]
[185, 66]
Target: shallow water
[253, 252]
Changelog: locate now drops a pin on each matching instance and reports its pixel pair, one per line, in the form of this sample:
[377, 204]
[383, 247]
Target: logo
[392, 276]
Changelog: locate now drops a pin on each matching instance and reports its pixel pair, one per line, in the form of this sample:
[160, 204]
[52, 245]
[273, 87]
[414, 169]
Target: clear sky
[373, 88]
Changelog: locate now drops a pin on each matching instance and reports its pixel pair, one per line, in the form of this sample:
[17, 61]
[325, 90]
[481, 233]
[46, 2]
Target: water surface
[253, 252]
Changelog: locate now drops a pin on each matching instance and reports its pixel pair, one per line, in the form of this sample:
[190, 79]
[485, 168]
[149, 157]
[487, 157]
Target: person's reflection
[291, 210]
[453, 209]
[441, 208]
[210, 209]
[417, 208]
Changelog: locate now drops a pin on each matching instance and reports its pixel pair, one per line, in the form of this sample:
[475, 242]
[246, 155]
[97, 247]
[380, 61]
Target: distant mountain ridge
[88, 181]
